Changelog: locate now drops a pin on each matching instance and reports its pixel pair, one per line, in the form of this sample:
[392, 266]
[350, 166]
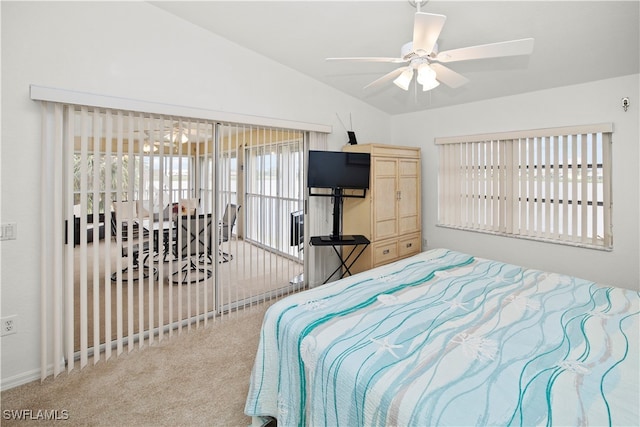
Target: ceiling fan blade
[389, 76]
[368, 59]
[448, 76]
[426, 30]
[491, 50]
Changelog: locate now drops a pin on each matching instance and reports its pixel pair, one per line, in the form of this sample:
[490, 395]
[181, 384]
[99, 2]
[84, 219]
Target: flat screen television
[338, 170]
[296, 234]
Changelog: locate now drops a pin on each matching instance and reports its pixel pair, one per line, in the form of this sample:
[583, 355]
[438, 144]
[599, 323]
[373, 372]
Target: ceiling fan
[175, 133]
[423, 57]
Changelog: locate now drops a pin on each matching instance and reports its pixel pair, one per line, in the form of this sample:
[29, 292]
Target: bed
[445, 338]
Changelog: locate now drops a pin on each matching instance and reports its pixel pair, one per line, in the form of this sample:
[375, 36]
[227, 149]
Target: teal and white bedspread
[444, 339]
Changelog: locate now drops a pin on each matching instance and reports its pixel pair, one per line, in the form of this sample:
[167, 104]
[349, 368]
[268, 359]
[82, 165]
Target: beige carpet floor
[199, 378]
[252, 272]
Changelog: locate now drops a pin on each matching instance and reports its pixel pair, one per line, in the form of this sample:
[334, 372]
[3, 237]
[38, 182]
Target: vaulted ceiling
[575, 42]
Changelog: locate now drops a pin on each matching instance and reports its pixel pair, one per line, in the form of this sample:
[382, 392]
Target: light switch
[8, 231]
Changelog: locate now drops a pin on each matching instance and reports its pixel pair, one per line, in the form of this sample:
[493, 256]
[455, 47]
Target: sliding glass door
[260, 171]
[169, 223]
[274, 193]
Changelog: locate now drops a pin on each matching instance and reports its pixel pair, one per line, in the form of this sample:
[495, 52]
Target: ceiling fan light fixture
[175, 137]
[425, 74]
[148, 148]
[427, 77]
[430, 85]
[404, 80]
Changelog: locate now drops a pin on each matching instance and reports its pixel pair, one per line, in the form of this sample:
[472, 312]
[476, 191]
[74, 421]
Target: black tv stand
[344, 240]
[339, 238]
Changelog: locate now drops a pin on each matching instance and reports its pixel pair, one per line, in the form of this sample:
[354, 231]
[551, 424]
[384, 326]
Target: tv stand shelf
[345, 238]
[336, 242]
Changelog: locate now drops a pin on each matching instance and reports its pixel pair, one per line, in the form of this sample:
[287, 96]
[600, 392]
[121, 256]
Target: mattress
[446, 338]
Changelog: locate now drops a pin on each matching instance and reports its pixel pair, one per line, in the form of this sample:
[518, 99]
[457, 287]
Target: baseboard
[20, 379]
[24, 378]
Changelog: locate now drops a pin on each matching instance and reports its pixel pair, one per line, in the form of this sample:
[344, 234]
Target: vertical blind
[547, 184]
[159, 224]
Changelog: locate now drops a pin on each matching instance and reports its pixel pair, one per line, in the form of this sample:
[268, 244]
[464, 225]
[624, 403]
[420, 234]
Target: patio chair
[128, 213]
[137, 250]
[192, 243]
[188, 206]
[226, 229]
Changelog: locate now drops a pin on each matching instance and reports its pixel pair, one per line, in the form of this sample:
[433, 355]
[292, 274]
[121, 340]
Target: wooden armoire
[390, 214]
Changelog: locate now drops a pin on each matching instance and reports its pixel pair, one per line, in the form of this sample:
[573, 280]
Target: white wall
[131, 50]
[595, 102]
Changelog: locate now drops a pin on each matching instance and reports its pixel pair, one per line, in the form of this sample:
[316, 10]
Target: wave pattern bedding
[445, 338]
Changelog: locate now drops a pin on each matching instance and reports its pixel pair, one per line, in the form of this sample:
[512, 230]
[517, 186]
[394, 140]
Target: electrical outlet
[424, 244]
[9, 325]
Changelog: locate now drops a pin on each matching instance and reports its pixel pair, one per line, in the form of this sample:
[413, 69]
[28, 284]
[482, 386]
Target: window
[98, 168]
[274, 189]
[177, 171]
[548, 184]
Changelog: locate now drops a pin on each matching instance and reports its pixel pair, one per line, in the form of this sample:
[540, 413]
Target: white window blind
[547, 184]
[126, 194]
